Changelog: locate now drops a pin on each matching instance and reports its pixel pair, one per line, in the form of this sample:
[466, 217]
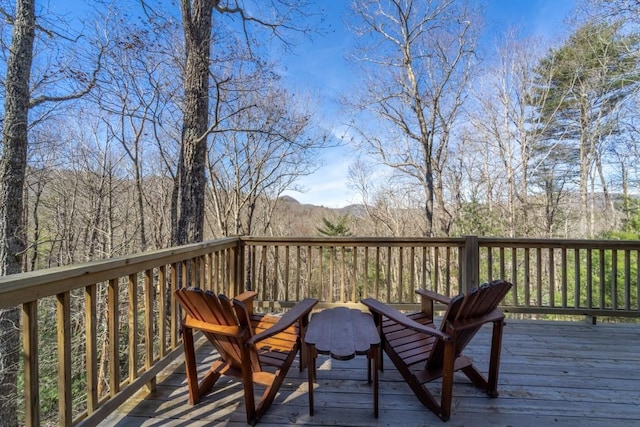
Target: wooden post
[63, 316]
[470, 264]
[236, 268]
[31, 367]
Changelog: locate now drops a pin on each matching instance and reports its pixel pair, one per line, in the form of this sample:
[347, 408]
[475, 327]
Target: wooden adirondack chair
[422, 352]
[257, 349]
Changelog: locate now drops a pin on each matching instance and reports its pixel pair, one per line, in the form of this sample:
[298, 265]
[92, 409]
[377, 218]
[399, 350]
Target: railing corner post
[470, 264]
[238, 267]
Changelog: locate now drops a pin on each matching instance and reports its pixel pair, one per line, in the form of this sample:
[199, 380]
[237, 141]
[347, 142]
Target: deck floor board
[552, 373]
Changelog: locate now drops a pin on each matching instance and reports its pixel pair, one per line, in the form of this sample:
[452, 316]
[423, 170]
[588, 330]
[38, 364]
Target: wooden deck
[552, 373]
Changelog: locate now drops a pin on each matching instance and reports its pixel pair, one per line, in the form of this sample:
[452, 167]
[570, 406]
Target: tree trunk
[196, 17]
[12, 173]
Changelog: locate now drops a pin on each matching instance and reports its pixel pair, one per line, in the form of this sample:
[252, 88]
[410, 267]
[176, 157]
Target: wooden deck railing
[117, 324]
[550, 276]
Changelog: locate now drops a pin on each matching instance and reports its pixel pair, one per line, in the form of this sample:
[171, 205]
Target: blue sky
[320, 66]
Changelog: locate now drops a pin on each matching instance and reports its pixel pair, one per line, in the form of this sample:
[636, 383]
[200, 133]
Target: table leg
[376, 371]
[312, 354]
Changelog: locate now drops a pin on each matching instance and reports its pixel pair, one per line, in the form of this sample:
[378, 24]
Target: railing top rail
[354, 241]
[24, 287]
[558, 243]
[20, 288]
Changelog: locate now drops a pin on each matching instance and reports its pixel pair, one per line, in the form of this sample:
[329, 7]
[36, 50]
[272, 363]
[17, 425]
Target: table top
[342, 332]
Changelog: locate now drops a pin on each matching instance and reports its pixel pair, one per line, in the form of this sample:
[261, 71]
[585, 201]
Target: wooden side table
[343, 333]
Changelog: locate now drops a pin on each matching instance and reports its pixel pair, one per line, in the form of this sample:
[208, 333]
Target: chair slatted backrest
[214, 310]
[477, 303]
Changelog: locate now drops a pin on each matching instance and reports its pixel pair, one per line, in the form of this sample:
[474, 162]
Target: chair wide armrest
[389, 312]
[493, 316]
[246, 297]
[425, 293]
[229, 331]
[297, 312]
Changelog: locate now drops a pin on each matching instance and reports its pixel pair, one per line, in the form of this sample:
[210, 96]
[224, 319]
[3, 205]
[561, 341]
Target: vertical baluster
[637, 280]
[175, 326]
[320, 274]
[206, 271]
[274, 284]
[366, 281]
[30, 357]
[614, 279]
[602, 278]
[114, 336]
[436, 271]
[412, 272]
[162, 310]
[400, 274]
[377, 278]
[183, 274]
[91, 343]
[149, 298]
[309, 268]
[489, 263]
[514, 274]
[388, 275]
[503, 268]
[286, 272]
[589, 278]
[262, 282]
[564, 277]
[354, 280]
[424, 267]
[576, 282]
[447, 279]
[539, 276]
[133, 326]
[63, 314]
[527, 278]
[627, 279]
[552, 278]
[332, 285]
[342, 274]
[298, 273]
[216, 286]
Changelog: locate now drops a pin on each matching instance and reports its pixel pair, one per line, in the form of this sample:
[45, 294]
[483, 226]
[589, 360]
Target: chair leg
[476, 377]
[302, 348]
[494, 363]
[247, 385]
[197, 388]
[447, 380]
[190, 365]
[419, 390]
[270, 392]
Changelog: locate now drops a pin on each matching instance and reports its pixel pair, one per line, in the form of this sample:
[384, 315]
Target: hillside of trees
[134, 125]
[519, 137]
[64, 231]
[523, 138]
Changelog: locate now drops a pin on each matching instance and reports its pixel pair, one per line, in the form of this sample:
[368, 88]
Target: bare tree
[12, 172]
[386, 202]
[615, 10]
[19, 100]
[416, 57]
[258, 152]
[197, 19]
[505, 127]
[135, 95]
